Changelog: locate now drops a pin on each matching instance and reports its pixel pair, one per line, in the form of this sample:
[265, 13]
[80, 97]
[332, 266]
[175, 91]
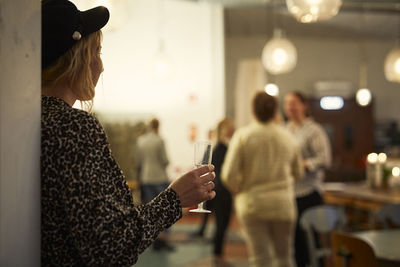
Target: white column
[20, 47]
[250, 79]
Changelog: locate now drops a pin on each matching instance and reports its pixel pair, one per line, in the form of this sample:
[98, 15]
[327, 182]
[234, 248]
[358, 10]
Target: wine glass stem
[200, 207]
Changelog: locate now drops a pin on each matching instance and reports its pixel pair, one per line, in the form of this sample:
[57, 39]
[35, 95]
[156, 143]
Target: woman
[88, 216]
[316, 152]
[222, 203]
[261, 164]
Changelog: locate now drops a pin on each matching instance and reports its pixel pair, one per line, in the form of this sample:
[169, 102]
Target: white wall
[20, 133]
[321, 60]
[192, 94]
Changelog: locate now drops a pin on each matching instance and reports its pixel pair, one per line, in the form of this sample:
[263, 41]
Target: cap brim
[94, 19]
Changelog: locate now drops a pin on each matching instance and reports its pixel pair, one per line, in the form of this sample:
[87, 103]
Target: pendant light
[392, 65]
[308, 11]
[392, 61]
[279, 55]
[271, 87]
[363, 94]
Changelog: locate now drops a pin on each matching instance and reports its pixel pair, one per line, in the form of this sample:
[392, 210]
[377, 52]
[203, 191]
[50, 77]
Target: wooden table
[385, 243]
[359, 195]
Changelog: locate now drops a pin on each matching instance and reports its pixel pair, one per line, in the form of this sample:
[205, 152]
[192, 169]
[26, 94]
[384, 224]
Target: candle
[372, 169]
[382, 158]
[372, 158]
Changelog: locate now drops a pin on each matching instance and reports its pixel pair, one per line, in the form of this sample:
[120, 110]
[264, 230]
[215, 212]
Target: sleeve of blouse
[231, 168]
[319, 143]
[105, 227]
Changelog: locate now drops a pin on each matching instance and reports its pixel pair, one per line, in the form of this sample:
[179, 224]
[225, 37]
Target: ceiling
[370, 19]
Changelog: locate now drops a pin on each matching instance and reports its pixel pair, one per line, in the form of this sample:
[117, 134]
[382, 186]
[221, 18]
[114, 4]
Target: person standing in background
[222, 203]
[261, 164]
[316, 153]
[152, 161]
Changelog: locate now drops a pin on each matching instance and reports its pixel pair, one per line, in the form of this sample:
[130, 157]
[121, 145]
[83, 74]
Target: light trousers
[269, 242]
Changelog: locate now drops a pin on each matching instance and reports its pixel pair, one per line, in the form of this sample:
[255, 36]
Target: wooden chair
[350, 251]
[321, 220]
[389, 215]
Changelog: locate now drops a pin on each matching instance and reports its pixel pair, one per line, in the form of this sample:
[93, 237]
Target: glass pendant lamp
[392, 65]
[279, 54]
[309, 11]
[363, 94]
[392, 61]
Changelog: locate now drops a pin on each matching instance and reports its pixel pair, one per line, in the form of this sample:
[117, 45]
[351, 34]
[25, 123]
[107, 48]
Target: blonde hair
[74, 69]
[222, 127]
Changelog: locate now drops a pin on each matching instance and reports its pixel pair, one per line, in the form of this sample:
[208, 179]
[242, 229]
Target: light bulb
[363, 97]
[272, 89]
[314, 10]
[279, 56]
[307, 18]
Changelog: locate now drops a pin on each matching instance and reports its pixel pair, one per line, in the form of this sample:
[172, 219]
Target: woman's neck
[298, 121]
[60, 91]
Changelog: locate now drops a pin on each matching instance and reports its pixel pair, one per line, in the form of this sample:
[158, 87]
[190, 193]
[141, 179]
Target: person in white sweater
[261, 165]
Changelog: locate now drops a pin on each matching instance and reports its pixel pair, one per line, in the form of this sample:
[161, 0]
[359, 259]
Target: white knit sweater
[261, 164]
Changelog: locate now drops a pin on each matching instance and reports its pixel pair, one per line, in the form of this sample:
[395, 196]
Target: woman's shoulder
[84, 118]
[82, 121]
[57, 110]
[315, 128]
[62, 120]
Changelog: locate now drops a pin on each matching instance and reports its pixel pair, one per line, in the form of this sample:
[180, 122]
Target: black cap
[63, 25]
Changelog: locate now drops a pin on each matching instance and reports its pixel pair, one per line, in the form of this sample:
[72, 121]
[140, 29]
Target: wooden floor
[194, 251]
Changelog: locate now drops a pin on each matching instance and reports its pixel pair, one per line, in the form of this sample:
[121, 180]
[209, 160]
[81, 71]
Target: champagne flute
[202, 157]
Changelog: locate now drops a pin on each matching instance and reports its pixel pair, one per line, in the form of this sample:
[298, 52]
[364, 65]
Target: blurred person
[316, 153]
[260, 167]
[152, 161]
[222, 203]
[87, 213]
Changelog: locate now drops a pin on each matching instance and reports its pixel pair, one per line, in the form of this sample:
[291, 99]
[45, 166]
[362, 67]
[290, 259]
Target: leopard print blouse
[88, 216]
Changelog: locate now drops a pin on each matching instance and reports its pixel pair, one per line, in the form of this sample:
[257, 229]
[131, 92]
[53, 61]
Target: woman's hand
[195, 186]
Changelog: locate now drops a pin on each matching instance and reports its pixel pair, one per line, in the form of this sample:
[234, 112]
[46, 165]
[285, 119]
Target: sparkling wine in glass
[202, 157]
